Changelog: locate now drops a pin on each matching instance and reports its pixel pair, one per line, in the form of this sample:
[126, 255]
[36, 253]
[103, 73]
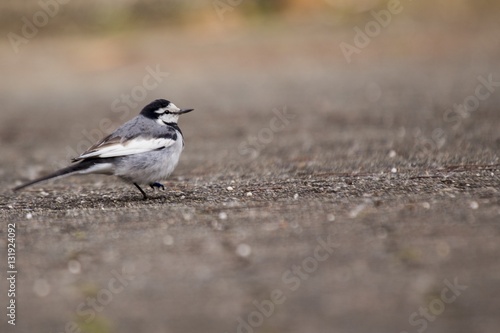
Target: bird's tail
[85, 164]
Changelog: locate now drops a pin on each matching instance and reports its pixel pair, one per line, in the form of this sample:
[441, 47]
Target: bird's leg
[142, 191]
[157, 185]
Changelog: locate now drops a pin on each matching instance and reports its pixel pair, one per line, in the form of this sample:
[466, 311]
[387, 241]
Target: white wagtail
[144, 150]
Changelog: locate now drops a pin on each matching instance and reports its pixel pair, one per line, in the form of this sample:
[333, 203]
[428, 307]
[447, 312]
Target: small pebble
[222, 216]
[243, 250]
[295, 196]
[330, 217]
[74, 266]
[29, 216]
[249, 194]
[217, 226]
[394, 170]
[230, 188]
[392, 154]
[356, 210]
[442, 249]
[168, 240]
[473, 205]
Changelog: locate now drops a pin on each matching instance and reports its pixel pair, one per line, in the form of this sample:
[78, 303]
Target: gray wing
[136, 136]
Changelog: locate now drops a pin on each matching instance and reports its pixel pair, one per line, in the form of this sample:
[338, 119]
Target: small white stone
[10, 207]
[222, 216]
[168, 240]
[330, 217]
[356, 210]
[443, 249]
[29, 216]
[74, 267]
[249, 194]
[295, 196]
[188, 216]
[394, 170]
[473, 205]
[243, 250]
[392, 154]
[230, 188]
[426, 205]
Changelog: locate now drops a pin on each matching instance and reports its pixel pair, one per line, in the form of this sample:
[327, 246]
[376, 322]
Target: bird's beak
[184, 111]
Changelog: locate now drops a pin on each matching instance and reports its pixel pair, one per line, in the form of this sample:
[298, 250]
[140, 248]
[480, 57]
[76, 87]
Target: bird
[144, 150]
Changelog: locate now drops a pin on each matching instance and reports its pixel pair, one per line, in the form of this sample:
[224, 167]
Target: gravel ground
[312, 195]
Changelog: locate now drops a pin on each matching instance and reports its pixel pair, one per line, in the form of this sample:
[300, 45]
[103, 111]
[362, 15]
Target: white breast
[150, 167]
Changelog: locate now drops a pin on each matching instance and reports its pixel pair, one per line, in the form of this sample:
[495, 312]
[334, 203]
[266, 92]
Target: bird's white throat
[168, 118]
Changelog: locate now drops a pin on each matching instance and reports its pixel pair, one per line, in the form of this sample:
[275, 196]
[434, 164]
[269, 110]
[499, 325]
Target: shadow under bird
[144, 150]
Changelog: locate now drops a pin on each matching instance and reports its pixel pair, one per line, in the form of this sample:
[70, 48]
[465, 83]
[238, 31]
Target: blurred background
[240, 59]
[382, 104]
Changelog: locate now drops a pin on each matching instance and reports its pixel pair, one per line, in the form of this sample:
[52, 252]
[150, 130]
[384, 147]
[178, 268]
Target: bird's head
[163, 111]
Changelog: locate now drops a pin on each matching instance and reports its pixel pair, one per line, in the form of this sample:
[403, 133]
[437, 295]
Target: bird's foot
[157, 185]
[144, 195]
